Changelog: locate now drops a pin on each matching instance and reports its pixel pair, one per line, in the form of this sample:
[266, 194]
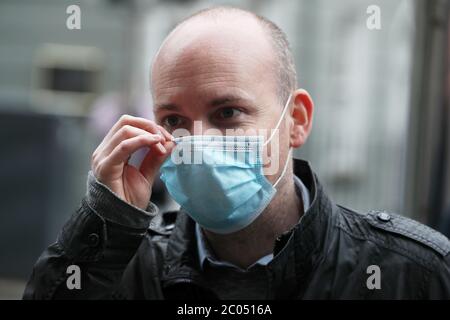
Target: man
[242, 233]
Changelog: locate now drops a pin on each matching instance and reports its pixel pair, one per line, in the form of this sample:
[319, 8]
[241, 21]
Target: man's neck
[245, 247]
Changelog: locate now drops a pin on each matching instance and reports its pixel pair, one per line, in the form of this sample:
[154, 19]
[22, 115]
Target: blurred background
[381, 137]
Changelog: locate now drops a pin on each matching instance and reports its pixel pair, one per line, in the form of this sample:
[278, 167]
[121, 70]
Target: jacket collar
[295, 251]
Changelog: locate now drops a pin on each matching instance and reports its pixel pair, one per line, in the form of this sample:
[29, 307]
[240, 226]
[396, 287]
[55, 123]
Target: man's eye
[172, 121]
[228, 113]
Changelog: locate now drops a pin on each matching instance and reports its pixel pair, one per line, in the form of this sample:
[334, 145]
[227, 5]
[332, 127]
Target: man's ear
[302, 116]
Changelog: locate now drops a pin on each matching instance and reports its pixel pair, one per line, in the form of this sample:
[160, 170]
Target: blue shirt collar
[205, 252]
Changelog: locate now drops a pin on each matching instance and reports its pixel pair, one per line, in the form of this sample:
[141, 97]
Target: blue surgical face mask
[219, 180]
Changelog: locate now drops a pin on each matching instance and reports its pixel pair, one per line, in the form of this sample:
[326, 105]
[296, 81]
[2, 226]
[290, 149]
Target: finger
[151, 163]
[123, 150]
[137, 122]
[166, 133]
[124, 133]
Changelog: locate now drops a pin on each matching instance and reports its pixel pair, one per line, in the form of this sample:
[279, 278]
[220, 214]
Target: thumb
[153, 161]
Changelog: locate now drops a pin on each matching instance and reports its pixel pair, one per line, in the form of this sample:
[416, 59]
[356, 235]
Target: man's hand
[110, 159]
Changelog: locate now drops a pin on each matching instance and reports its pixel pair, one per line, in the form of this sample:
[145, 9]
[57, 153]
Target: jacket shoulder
[410, 229]
[396, 233]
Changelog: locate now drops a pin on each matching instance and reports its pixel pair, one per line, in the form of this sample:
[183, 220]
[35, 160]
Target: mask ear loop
[286, 107]
[285, 168]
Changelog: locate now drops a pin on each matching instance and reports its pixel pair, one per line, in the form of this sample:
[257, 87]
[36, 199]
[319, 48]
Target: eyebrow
[229, 98]
[166, 106]
[225, 99]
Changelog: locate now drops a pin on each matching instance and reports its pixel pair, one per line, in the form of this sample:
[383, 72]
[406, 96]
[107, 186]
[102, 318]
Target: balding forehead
[209, 34]
[242, 23]
[234, 30]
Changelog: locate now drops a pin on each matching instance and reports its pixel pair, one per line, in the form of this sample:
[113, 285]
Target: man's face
[220, 77]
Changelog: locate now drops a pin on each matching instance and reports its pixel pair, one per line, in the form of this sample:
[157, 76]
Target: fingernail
[161, 148]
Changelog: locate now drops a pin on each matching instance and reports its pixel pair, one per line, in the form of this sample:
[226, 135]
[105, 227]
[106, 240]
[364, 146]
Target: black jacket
[325, 256]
